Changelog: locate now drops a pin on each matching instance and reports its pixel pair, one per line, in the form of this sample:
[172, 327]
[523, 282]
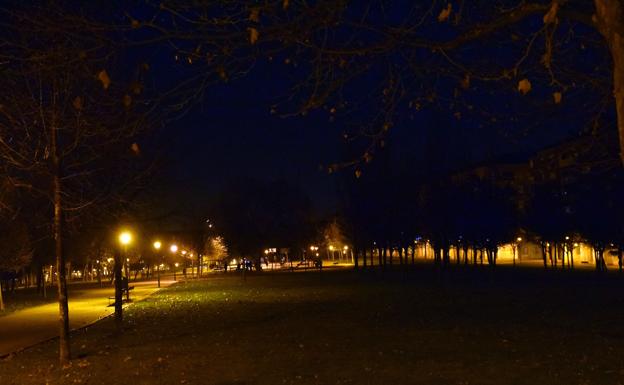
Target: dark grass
[462, 326]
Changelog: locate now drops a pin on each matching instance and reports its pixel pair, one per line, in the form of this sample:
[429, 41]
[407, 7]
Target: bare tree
[384, 62]
[65, 124]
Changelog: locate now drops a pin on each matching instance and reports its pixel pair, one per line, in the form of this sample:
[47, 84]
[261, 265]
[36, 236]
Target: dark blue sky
[233, 134]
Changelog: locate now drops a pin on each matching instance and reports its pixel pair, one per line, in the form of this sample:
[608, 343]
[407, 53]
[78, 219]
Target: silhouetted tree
[67, 116]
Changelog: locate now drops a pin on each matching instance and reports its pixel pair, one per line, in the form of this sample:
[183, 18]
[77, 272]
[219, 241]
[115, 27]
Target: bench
[125, 289]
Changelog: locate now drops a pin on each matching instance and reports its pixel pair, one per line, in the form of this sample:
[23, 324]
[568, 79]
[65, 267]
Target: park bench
[125, 290]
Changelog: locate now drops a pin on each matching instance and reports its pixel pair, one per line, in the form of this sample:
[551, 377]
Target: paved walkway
[28, 327]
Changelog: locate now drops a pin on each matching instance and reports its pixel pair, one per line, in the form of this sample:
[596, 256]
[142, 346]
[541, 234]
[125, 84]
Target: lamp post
[515, 247]
[125, 238]
[184, 263]
[174, 250]
[157, 246]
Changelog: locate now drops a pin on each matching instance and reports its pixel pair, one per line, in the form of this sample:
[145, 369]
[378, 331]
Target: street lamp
[515, 247]
[174, 249]
[125, 238]
[157, 246]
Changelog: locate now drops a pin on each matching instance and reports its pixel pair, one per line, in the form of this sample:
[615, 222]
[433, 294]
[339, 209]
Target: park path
[28, 327]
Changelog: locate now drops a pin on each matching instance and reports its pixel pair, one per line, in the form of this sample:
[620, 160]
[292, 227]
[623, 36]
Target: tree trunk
[364, 263]
[45, 293]
[385, 256]
[39, 279]
[609, 19]
[1, 298]
[64, 351]
[118, 291]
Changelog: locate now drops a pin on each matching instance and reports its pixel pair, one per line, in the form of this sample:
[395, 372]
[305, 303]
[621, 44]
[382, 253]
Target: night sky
[232, 132]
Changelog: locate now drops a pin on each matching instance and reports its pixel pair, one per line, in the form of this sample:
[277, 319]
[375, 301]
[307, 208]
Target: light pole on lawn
[184, 263]
[125, 237]
[157, 246]
[515, 247]
[174, 250]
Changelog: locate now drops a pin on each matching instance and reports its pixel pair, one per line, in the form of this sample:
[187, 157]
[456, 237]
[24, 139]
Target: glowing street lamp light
[157, 245]
[345, 254]
[515, 247]
[125, 238]
[174, 249]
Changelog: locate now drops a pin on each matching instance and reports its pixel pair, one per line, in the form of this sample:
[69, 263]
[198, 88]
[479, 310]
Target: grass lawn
[462, 326]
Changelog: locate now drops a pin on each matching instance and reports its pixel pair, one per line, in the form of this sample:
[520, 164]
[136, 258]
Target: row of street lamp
[125, 239]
